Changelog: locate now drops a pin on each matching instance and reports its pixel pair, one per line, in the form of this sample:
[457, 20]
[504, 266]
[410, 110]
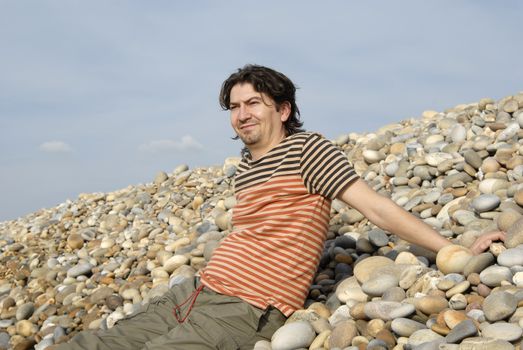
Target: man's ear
[285, 111]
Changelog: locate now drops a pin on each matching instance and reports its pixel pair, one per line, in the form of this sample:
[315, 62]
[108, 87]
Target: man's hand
[485, 240]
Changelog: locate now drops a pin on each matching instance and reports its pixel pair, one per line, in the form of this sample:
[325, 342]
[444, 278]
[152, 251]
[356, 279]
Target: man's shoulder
[305, 136]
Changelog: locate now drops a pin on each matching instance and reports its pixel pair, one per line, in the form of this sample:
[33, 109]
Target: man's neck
[258, 152]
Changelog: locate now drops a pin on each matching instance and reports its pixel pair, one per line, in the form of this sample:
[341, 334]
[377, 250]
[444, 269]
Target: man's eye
[233, 107]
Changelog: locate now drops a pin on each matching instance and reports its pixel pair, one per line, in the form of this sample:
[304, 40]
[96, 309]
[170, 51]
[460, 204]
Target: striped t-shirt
[280, 223]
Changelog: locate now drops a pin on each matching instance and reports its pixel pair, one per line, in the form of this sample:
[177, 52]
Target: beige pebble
[75, 241]
[453, 258]
[25, 328]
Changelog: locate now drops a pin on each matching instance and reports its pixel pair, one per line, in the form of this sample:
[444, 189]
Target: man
[261, 272]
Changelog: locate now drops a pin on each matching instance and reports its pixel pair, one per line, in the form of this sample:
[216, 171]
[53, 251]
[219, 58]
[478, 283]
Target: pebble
[500, 305]
[493, 275]
[453, 258]
[511, 257]
[423, 336]
[293, 335]
[474, 343]
[25, 328]
[379, 284]
[431, 304]
[485, 202]
[80, 269]
[387, 310]
[396, 294]
[320, 339]
[478, 263]
[366, 267]
[462, 330]
[350, 289]
[378, 237]
[514, 236]
[502, 331]
[404, 327]
[25, 311]
[342, 334]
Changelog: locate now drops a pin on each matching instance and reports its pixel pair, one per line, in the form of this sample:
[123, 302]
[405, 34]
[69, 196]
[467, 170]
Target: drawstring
[192, 298]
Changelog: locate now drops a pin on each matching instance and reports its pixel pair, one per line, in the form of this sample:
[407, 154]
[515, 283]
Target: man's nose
[243, 112]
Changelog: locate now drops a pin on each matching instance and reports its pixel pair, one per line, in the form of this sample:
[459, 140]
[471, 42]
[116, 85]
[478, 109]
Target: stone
[498, 306]
[502, 331]
[493, 275]
[80, 269]
[514, 236]
[506, 219]
[462, 330]
[25, 311]
[404, 327]
[75, 241]
[423, 336]
[458, 133]
[350, 289]
[372, 156]
[452, 318]
[490, 165]
[379, 284]
[478, 263]
[476, 343]
[490, 186]
[320, 340]
[485, 202]
[4, 340]
[25, 328]
[458, 302]
[518, 197]
[511, 257]
[374, 326]
[262, 345]
[342, 334]
[518, 279]
[430, 304]
[396, 294]
[175, 262]
[453, 258]
[387, 310]
[472, 158]
[293, 335]
[458, 288]
[365, 268]
[378, 237]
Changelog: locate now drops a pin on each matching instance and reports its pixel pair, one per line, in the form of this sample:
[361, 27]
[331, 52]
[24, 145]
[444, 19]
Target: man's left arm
[389, 216]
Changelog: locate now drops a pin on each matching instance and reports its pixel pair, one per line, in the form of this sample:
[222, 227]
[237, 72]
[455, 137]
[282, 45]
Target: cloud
[55, 147]
[187, 143]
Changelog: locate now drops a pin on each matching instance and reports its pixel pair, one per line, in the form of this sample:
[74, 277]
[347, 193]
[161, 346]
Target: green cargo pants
[215, 322]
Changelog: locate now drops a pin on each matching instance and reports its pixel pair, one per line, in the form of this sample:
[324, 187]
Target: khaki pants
[215, 322]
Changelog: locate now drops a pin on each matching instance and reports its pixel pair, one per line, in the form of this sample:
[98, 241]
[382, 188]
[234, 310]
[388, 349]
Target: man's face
[256, 120]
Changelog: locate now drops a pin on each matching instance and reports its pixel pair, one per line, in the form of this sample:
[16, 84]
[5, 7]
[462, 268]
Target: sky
[98, 95]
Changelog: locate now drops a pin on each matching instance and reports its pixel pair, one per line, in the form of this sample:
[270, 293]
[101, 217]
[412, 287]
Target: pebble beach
[89, 262]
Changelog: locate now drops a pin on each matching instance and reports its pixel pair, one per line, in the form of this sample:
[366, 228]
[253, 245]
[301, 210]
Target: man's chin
[248, 140]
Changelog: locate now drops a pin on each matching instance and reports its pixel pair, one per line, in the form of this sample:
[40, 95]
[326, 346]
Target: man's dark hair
[270, 82]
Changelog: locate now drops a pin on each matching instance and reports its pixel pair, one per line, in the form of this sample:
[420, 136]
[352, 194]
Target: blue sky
[99, 95]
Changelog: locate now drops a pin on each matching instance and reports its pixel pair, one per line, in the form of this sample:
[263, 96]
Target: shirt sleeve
[325, 169]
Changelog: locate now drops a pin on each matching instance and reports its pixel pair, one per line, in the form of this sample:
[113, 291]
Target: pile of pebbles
[88, 263]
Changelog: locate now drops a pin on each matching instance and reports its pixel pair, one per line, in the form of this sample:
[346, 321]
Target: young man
[261, 272]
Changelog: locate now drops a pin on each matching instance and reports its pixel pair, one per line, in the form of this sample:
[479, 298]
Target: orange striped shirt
[280, 223]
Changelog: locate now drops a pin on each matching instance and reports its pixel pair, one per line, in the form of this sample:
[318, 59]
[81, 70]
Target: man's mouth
[247, 126]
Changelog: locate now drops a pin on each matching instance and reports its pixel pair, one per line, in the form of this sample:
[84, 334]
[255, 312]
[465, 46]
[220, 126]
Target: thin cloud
[55, 147]
[187, 143]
